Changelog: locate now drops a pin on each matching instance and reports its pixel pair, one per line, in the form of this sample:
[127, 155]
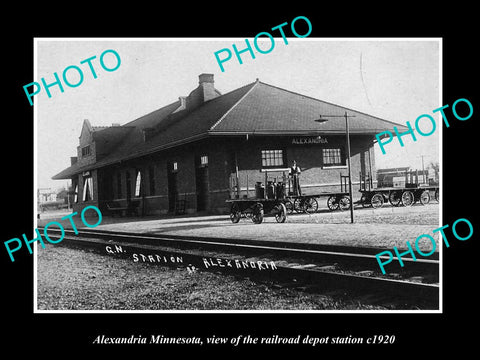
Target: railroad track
[309, 267]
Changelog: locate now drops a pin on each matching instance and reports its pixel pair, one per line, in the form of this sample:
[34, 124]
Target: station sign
[309, 140]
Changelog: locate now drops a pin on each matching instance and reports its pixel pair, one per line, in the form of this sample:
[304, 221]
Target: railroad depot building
[207, 147]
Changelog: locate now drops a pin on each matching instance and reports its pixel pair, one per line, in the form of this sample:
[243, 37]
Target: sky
[394, 79]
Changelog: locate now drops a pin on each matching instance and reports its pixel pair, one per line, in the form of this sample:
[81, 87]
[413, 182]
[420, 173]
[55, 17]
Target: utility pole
[349, 168]
[347, 133]
[423, 169]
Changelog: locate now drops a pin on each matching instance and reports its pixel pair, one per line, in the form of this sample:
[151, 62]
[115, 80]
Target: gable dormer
[86, 148]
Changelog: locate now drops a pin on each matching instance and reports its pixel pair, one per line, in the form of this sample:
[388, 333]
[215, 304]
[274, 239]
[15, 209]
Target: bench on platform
[180, 205]
[131, 208]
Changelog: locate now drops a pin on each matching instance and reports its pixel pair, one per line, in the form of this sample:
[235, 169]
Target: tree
[436, 169]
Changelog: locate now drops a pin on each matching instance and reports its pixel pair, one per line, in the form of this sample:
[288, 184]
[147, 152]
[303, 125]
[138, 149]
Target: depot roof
[254, 109]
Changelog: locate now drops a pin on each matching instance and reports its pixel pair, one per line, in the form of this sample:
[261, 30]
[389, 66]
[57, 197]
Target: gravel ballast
[76, 279]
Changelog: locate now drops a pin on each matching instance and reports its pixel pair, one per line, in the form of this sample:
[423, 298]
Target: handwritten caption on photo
[194, 263]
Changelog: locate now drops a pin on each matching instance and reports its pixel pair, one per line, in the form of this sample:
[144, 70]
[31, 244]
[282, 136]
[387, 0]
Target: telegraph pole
[347, 133]
[349, 168]
[423, 169]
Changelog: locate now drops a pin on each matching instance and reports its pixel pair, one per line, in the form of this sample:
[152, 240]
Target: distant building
[208, 147]
[45, 195]
[401, 177]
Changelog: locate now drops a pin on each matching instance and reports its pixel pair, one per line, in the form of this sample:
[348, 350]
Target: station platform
[384, 227]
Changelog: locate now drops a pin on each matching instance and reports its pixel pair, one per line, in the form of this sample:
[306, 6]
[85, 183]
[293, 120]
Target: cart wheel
[332, 203]
[437, 195]
[407, 198]
[257, 213]
[344, 202]
[377, 201]
[395, 198]
[281, 214]
[289, 206]
[425, 197]
[364, 201]
[235, 213]
[299, 205]
[310, 205]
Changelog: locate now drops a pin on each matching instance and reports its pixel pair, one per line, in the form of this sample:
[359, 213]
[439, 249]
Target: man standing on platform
[295, 174]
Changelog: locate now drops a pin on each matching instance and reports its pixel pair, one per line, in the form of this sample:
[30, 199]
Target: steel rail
[309, 274]
[339, 251]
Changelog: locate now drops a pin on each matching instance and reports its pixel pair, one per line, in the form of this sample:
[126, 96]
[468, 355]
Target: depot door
[128, 182]
[201, 182]
[172, 185]
[105, 184]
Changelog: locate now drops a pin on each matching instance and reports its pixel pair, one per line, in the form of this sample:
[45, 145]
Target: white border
[439, 311]
[35, 185]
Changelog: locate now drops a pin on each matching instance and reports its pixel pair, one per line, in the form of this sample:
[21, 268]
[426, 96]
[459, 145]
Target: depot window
[138, 183]
[272, 158]
[86, 151]
[75, 191]
[87, 188]
[333, 157]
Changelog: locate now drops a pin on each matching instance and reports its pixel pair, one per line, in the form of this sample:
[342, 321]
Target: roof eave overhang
[191, 139]
[292, 133]
[100, 164]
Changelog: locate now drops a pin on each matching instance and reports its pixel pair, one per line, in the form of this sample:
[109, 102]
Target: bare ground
[73, 279]
[384, 227]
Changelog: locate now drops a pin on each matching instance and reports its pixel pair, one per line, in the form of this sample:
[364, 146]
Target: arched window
[138, 183]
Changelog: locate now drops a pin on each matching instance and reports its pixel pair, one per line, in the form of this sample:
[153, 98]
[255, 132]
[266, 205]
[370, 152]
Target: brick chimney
[206, 82]
[204, 92]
